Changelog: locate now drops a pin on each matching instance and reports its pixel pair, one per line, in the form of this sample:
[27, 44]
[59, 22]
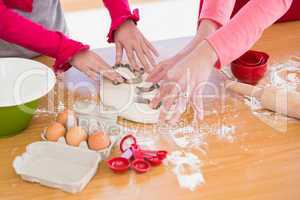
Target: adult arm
[218, 11]
[245, 28]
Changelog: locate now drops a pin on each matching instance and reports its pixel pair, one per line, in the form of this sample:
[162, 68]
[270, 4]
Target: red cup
[250, 67]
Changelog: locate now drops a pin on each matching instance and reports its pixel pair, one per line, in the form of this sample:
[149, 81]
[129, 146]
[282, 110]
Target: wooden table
[259, 163]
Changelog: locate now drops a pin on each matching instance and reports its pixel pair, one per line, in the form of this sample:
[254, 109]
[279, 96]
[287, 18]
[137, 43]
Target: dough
[122, 98]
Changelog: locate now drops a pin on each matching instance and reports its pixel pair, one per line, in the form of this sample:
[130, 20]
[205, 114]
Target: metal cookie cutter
[136, 80]
[141, 90]
[143, 100]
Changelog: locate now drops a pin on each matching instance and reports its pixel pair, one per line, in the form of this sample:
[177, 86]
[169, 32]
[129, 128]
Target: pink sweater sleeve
[218, 11]
[21, 31]
[119, 11]
[245, 28]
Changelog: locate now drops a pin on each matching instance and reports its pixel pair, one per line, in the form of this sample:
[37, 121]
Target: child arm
[21, 31]
[119, 13]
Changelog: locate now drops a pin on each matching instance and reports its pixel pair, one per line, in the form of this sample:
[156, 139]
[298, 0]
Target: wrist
[177, 57]
[77, 57]
[128, 22]
[207, 52]
[206, 28]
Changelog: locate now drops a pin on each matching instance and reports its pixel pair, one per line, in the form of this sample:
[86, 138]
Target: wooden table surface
[260, 162]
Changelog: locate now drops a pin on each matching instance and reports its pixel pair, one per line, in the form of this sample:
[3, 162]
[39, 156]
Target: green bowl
[22, 83]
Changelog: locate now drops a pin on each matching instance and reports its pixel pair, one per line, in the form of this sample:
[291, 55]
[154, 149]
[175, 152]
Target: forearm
[21, 31]
[205, 29]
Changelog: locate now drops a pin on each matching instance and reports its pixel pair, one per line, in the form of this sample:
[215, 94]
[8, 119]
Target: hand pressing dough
[122, 98]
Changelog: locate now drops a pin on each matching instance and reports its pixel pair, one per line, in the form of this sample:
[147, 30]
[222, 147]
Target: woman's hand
[184, 83]
[92, 65]
[129, 38]
[161, 69]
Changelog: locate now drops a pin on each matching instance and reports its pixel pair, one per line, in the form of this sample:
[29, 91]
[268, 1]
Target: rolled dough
[122, 98]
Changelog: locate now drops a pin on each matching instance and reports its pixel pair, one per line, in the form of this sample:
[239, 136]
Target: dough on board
[122, 98]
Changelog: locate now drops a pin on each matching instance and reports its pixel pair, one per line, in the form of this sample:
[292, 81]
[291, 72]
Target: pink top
[21, 31]
[239, 34]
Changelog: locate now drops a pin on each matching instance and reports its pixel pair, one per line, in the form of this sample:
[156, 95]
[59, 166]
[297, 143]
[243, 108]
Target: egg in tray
[83, 131]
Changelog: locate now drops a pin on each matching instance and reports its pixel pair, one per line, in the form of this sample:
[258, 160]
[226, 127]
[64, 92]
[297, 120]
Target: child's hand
[92, 65]
[128, 37]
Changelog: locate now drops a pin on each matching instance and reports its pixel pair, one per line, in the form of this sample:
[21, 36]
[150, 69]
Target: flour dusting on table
[187, 169]
[285, 75]
[188, 137]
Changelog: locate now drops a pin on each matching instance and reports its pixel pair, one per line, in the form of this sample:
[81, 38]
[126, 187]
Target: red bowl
[250, 67]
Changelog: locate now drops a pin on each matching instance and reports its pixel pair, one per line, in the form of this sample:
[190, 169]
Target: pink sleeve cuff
[66, 51]
[218, 11]
[116, 23]
[219, 63]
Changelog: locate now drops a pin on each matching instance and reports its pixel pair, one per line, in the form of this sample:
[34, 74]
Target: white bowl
[23, 81]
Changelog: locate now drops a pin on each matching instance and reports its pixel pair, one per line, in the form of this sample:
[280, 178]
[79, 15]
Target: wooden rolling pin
[272, 98]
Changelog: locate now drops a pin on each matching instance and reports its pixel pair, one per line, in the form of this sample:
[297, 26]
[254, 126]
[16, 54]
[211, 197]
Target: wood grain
[261, 163]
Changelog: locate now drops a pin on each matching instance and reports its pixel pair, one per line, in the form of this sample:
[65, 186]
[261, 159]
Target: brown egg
[75, 136]
[54, 131]
[66, 118]
[98, 140]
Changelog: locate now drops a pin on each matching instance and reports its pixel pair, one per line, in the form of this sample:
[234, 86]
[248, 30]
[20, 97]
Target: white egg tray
[57, 165]
[92, 117]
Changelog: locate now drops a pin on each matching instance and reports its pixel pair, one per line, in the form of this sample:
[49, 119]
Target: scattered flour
[226, 132]
[253, 103]
[187, 169]
[285, 75]
[188, 137]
